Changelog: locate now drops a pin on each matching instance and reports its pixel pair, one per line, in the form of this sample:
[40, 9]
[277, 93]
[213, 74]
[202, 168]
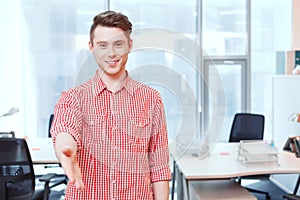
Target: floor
[264, 185]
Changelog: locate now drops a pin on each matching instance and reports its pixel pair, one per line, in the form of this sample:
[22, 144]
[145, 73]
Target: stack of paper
[256, 152]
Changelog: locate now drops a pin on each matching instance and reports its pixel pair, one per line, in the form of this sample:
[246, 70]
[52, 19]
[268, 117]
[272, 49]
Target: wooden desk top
[222, 163]
[42, 151]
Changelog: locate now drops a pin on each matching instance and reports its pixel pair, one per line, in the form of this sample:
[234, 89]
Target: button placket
[112, 183]
[113, 163]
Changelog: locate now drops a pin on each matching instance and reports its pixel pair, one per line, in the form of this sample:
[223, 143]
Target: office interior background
[45, 43]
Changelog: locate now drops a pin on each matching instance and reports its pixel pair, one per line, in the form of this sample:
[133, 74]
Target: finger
[79, 185]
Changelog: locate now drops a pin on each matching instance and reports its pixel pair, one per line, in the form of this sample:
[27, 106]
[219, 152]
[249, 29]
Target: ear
[91, 47]
[130, 44]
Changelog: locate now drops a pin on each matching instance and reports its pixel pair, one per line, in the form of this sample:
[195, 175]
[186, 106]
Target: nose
[111, 51]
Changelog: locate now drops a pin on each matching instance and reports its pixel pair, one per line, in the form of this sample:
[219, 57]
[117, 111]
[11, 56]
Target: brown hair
[111, 19]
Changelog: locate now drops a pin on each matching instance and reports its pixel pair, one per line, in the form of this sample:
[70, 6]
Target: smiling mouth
[114, 62]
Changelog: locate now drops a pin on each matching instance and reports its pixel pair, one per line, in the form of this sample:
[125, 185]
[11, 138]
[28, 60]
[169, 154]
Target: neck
[114, 83]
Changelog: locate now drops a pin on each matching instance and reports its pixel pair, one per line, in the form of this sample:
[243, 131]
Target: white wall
[286, 100]
[10, 66]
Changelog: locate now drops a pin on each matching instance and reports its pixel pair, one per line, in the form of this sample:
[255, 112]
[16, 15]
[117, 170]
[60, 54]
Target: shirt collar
[99, 85]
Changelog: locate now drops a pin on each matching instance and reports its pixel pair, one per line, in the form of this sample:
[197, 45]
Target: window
[225, 27]
[271, 36]
[54, 46]
[45, 46]
[165, 50]
[225, 44]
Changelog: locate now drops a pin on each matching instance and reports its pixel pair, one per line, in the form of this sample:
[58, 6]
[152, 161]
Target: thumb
[72, 169]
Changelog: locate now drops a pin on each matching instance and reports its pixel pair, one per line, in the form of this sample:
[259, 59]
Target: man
[110, 133]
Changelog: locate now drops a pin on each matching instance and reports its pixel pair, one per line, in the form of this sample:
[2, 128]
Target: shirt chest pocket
[138, 133]
[139, 126]
[94, 126]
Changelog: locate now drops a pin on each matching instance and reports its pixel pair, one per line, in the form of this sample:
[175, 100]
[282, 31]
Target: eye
[119, 44]
[102, 45]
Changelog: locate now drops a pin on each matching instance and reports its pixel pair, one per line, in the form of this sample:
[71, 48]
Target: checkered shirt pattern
[121, 138]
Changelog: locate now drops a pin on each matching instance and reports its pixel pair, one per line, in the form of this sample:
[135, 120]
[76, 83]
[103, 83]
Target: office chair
[10, 134]
[49, 124]
[248, 126]
[17, 178]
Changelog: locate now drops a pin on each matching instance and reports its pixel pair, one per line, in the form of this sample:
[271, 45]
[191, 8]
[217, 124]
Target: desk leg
[179, 187]
[185, 190]
[173, 180]
[182, 185]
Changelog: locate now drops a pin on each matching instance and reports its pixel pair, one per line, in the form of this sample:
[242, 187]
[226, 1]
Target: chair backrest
[17, 177]
[10, 134]
[247, 126]
[49, 124]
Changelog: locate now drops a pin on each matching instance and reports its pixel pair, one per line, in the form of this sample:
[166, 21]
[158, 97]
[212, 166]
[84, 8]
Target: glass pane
[271, 37]
[55, 37]
[232, 83]
[165, 56]
[176, 15]
[224, 27]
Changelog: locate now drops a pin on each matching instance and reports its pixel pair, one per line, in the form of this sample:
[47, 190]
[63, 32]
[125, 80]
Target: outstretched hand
[70, 165]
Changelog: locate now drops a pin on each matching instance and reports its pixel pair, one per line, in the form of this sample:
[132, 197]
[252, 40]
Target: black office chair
[50, 124]
[248, 126]
[17, 178]
[10, 134]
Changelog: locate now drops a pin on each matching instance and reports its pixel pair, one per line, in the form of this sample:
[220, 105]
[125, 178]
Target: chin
[113, 71]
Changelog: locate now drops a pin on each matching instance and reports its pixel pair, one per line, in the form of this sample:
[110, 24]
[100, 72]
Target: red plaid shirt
[121, 138]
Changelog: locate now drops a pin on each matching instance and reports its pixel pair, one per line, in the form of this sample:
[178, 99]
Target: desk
[42, 151]
[222, 164]
[219, 190]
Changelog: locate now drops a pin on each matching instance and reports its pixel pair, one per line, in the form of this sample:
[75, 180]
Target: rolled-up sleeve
[67, 117]
[158, 147]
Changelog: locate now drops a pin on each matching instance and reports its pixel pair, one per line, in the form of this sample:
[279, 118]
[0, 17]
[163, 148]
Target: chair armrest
[53, 179]
[291, 197]
[47, 177]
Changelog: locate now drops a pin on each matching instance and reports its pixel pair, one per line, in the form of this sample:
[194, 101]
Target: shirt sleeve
[67, 117]
[158, 147]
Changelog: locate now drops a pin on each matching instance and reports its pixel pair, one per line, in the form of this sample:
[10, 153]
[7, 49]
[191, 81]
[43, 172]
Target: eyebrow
[105, 42]
[101, 42]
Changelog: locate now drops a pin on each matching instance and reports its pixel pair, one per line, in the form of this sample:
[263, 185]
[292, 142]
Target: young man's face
[111, 47]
